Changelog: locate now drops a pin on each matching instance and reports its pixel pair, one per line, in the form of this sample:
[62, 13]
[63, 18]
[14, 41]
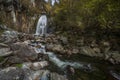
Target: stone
[9, 36]
[3, 27]
[3, 45]
[14, 60]
[90, 52]
[64, 40]
[24, 51]
[55, 48]
[55, 76]
[11, 73]
[35, 65]
[114, 57]
[75, 51]
[58, 48]
[5, 52]
[49, 46]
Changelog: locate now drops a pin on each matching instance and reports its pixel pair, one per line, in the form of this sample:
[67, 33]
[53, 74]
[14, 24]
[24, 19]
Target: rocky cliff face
[22, 14]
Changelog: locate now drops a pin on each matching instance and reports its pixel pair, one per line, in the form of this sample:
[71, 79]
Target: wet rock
[35, 65]
[45, 75]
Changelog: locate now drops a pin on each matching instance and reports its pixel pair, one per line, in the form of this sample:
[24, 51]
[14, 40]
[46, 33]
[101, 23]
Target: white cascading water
[41, 26]
[13, 16]
[61, 64]
[52, 1]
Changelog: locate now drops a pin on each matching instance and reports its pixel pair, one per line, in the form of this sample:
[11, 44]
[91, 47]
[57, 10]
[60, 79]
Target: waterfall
[13, 16]
[52, 1]
[41, 26]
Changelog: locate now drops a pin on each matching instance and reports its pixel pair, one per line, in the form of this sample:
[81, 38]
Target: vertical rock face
[18, 14]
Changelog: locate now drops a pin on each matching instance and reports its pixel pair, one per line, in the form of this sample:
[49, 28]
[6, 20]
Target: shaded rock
[11, 73]
[3, 45]
[113, 57]
[14, 60]
[105, 46]
[115, 75]
[64, 40]
[24, 51]
[5, 52]
[90, 52]
[55, 76]
[55, 48]
[49, 46]
[3, 27]
[75, 51]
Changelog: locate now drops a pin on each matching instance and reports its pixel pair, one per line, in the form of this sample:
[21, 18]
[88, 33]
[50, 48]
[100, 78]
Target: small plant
[18, 65]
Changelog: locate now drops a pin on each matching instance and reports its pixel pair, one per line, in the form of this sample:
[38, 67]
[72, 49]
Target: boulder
[23, 51]
[75, 51]
[90, 52]
[5, 52]
[64, 40]
[35, 65]
[58, 48]
[3, 45]
[113, 57]
[9, 36]
[13, 73]
[55, 48]
[55, 76]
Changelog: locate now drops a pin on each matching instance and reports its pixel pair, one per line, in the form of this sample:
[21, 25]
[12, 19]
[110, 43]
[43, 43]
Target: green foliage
[18, 65]
[88, 14]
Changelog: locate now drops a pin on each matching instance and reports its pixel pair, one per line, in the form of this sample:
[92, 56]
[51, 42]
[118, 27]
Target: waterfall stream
[41, 26]
[52, 2]
[61, 64]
